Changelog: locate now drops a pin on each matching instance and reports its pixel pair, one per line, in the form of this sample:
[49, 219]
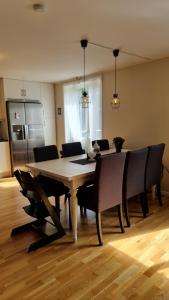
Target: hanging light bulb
[84, 97]
[115, 102]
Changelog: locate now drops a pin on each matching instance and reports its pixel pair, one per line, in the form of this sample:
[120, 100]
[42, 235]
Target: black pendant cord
[122, 51]
[115, 76]
[84, 78]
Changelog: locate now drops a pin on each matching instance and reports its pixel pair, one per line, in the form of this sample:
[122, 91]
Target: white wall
[143, 117]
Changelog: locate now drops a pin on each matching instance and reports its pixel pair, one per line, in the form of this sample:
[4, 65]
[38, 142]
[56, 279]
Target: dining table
[73, 172]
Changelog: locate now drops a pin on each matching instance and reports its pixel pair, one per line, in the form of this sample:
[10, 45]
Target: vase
[118, 142]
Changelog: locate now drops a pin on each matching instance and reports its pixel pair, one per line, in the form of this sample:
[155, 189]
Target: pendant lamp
[115, 102]
[84, 96]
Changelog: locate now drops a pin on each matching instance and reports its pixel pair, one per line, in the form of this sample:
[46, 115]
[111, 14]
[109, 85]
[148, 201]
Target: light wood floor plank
[130, 266]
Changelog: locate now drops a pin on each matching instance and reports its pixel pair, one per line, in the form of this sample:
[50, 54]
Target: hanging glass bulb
[85, 99]
[115, 102]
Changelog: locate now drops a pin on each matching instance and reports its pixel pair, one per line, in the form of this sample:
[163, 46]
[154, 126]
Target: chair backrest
[135, 172]
[28, 185]
[104, 144]
[45, 153]
[154, 164]
[71, 149]
[108, 186]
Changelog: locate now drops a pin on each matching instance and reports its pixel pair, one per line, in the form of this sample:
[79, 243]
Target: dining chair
[134, 179]
[154, 169]
[71, 149]
[51, 186]
[39, 208]
[45, 153]
[104, 144]
[107, 190]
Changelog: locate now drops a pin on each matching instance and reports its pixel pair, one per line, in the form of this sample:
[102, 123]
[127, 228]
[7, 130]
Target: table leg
[74, 207]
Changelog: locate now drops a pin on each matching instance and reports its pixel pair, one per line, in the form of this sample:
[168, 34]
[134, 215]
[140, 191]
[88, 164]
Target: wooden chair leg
[99, 228]
[158, 189]
[146, 202]
[70, 220]
[57, 205]
[120, 215]
[125, 204]
[83, 211]
[143, 204]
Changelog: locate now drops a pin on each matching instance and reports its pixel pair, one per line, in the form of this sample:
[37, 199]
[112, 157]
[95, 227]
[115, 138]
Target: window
[83, 124]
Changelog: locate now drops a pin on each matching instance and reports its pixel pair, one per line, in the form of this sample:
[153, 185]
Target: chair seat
[52, 187]
[85, 197]
[37, 210]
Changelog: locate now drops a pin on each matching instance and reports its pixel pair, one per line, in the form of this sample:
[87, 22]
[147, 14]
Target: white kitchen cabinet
[20, 89]
[32, 90]
[5, 162]
[13, 89]
[48, 101]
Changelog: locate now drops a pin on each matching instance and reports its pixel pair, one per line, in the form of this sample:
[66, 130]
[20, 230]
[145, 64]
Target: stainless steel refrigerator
[25, 124]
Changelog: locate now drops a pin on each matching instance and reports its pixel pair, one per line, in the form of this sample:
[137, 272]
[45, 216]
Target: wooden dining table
[73, 174]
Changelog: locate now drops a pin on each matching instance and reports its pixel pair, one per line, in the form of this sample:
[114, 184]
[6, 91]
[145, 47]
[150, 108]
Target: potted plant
[118, 142]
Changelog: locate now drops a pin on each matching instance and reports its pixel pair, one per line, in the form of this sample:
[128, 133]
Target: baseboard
[5, 174]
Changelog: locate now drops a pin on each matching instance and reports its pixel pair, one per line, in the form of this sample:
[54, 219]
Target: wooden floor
[134, 265]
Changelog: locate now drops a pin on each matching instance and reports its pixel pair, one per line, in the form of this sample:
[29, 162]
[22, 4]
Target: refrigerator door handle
[26, 131]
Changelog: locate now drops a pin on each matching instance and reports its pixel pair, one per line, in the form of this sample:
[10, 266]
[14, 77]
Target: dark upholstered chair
[45, 153]
[51, 186]
[154, 168]
[104, 144]
[71, 149]
[39, 208]
[106, 192]
[135, 179]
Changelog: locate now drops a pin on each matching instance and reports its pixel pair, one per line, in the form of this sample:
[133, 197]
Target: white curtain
[83, 124]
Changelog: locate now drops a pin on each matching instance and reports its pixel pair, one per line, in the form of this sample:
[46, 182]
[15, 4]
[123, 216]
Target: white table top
[64, 168]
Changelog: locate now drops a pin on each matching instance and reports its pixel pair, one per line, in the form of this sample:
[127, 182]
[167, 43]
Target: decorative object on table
[118, 142]
[115, 102]
[91, 156]
[96, 147]
[84, 97]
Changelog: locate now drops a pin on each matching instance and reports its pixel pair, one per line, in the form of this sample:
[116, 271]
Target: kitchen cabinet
[13, 89]
[5, 163]
[20, 89]
[48, 101]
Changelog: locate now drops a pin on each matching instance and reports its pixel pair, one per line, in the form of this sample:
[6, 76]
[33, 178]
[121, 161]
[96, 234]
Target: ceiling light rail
[122, 51]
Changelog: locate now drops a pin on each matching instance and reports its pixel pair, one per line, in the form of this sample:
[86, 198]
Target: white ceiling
[46, 46]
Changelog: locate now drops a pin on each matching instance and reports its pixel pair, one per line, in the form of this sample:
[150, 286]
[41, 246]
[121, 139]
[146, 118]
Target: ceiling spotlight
[39, 7]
